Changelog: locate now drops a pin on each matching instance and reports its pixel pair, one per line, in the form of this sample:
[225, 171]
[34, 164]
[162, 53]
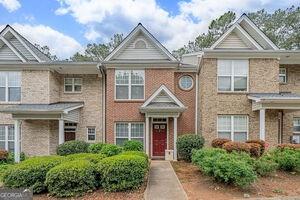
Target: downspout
[196, 105]
[103, 104]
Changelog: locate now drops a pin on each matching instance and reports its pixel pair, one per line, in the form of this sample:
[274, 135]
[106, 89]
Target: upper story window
[282, 75]
[10, 86]
[73, 85]
[186, 82]
[129, 84]
[233, 127]
[233, 75]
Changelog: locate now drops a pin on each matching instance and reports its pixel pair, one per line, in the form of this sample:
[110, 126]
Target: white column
[262, 130]
[61, 131]
[175, 138]
[17, 141]
[147, 142]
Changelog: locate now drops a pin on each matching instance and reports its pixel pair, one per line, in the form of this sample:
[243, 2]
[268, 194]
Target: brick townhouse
[242, 87]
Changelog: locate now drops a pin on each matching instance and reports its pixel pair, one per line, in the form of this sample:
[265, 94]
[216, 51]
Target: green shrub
[186, 143]
[92, 157]
[265, 165]
[3, 169]
[136, 153]
[72, 147]
[133, 145]
[287, 159]
[71, 178]
[122, 172]
[111, 150]
[95, 148]
[231, 168]
[31, 173]
[11, 158]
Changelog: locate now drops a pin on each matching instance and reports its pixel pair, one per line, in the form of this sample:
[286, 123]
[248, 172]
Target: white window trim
[284, 75]
[6, 140]
[129, 85]
[232, 126]
[73, 85]
[87, 133]
[232, 78]
[129, 132]
[295, 132]
[186, 89]
[6, 87]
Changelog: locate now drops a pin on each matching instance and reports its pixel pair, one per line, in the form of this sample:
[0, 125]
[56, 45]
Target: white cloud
[60, 44]
[11, 5]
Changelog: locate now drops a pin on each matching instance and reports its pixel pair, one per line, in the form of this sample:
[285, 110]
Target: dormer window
[140, 44]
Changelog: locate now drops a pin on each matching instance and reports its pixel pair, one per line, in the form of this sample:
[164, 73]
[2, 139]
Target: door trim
[167, 138]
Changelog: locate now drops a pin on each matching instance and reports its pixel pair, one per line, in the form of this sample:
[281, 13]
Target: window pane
[224, 68]
[3, 79]
[14, 94]
[68, 88]
[77, 88]
[78, 81]
[240, 83]
[122, 130]
[240, 67]
[122, 77]
[137, 130]
[11, 134]
[224, 123]
[296, 124]
[137, 92]
[137, 77]
[186, 82]
[282, 79]
[120, 141]
[122, 92]
[91, 137]
[2, 132]
[226, 135]
[11, 146]
[240, 136]
[2, 145]
[69, 81]
[14, 79]
[240, 123]
[224, 83]
[2, 93]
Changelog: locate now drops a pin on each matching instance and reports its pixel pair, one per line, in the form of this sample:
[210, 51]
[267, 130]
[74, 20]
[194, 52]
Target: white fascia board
[223, 37]
[13, 49]
[248, 37]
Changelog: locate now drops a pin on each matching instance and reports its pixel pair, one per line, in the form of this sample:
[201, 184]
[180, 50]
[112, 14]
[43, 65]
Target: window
[73, 85]
[233, 127]
[129, 131]
[282, 75]
[91, 133]
[130, 84]
[10, 86]
[186, 82]
[7, 137]
[233, 75]
[296, 135]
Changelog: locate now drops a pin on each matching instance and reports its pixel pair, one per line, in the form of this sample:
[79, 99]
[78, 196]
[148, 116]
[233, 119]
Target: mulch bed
[201, 187]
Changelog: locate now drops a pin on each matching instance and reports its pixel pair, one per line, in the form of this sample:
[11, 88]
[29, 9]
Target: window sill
[282, 83]
[129, 101]
[9, 103]
[72, 92]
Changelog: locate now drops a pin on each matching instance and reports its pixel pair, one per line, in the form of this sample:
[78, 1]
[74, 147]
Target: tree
[46, 50]
[97, 52]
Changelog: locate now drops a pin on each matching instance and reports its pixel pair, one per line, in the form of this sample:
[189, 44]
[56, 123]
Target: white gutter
[99, 67]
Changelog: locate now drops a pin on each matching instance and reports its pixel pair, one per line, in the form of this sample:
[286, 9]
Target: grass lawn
[201, 187]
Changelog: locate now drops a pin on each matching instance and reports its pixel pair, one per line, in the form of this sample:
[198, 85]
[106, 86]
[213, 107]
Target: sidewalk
[163, 183]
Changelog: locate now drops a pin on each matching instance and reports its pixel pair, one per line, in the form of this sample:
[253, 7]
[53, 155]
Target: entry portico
[160, 109]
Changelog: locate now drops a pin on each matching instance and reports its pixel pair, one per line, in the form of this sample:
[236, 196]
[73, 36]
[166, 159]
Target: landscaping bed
[199, 186]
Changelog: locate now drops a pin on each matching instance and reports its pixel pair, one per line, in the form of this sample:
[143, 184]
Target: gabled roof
[248, 33]
[16, 46]
[140, 32]
[162, 100]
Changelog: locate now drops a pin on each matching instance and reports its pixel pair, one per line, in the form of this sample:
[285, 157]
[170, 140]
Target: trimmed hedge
[31, 173]
[231, 168]
[265, 165]
[255, 149]
[287, 145]
[72, 147]
[92, 157]
[236, 146]
[71, 179]
[136, 153]
[122, 172]
[3, 155]
[260, 142]
[186, 143]
[218, 143]
[287, 159]
[110, 150]
[3, 169]
[133, 145]
[95, 148]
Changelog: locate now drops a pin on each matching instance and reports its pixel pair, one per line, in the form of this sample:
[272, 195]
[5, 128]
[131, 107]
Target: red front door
[159, 143]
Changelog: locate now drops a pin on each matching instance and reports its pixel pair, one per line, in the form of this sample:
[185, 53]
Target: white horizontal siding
[7, 54]
[232, 41]
[17, 44]
[72, 116]
[151, 52]
[162, 97]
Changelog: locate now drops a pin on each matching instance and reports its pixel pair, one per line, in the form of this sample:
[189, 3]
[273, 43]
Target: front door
[69, 136]
[159, 144]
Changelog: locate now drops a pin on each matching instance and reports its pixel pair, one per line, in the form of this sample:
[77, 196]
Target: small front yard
[202, 187]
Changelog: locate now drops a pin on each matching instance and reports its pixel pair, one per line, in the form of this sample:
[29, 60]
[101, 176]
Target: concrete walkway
[163, 183]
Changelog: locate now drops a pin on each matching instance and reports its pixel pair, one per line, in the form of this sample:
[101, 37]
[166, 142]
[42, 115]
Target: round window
[186, 82]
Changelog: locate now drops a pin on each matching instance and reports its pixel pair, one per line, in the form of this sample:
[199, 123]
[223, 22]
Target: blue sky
[66, 26]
